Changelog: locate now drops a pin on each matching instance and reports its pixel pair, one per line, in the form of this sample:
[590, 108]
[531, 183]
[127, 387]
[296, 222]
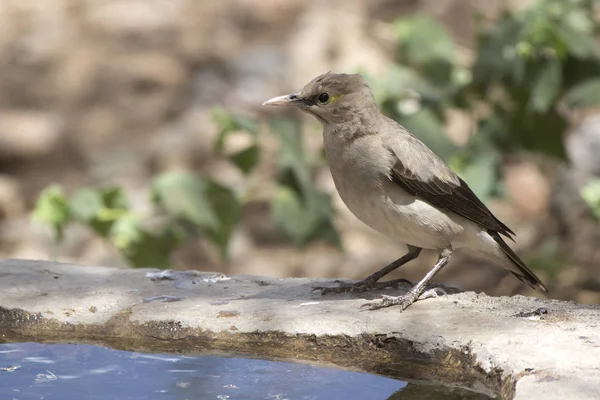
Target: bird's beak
[287, 100]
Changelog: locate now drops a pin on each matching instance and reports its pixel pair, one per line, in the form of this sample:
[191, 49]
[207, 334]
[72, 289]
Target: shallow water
[77, 372]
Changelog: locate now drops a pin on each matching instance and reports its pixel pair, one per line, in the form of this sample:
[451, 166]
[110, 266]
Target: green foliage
[525, 64]
[548, 257]
[425, 45]
[591, 194]
[106, 212]
[228, 123]
[585, 94]
[141, 247]
[201, 203]
[52, 208]
[99, 209]
[191, 205]
[529, 61]
[301, 210]
[184, 197]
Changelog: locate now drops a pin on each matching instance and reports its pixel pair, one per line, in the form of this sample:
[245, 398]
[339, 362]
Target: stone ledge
[467, 340]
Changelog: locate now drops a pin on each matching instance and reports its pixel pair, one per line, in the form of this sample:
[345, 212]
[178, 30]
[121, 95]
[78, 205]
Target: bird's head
[332, 98]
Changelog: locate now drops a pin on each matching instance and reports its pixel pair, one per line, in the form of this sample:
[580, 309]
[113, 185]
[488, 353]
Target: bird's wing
[422, 173]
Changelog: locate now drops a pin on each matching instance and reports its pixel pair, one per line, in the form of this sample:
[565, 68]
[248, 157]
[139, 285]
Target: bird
[395, 184]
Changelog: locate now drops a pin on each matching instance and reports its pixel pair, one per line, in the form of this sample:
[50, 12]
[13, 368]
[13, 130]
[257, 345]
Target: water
[76, 372]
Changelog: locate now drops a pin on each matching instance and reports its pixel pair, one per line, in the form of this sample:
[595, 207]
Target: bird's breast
[361, 177]
[390, 210]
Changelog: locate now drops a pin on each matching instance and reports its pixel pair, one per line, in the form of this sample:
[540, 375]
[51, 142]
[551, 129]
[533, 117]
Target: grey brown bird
[396, 185]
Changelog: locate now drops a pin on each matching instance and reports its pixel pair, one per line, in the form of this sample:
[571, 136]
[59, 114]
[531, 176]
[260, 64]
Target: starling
[396, 185]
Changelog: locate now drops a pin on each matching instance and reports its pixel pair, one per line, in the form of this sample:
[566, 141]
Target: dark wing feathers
[454, 195]
[420, 172]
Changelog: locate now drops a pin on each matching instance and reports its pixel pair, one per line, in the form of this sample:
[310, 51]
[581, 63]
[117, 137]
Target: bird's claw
[387, 301]
[405, 300]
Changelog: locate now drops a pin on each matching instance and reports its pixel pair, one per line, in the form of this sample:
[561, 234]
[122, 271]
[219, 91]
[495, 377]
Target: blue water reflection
[76, 372]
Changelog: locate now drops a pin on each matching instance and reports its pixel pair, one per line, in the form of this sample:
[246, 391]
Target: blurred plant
[302, 211]
[299, 208]
[189, 203]
[228, 123]
[547, 257]
[530, 68]
[591, 194]
[186, 205]
[52, 208]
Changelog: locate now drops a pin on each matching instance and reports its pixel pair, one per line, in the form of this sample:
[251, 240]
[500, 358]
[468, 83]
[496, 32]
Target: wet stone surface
[496, 346]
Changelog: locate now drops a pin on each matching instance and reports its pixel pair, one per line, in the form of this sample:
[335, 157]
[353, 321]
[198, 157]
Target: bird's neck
[360, 122]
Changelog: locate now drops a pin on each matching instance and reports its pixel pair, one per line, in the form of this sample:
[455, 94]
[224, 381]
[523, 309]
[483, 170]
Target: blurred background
[131, 131]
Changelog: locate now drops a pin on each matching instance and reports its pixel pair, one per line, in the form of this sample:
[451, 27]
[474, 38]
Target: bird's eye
[323, 98]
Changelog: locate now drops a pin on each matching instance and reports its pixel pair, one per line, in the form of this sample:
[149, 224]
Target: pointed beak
[287, 100]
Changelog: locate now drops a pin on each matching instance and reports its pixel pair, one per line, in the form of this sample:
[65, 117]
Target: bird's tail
[522, 273]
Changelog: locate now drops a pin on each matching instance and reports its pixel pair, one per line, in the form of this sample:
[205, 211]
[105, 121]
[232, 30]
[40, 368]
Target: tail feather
[522, 273]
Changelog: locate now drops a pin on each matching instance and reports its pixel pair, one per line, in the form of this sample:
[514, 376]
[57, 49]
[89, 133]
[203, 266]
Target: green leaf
[292, 216]
[494, 130]
[585, 94]
[430, 130]
[126, 233]
[580, 44]
[289, 133]
[228, 123]
[398, 81]
[591, 194]
[228, 210]
[480, 173]
[301, 211]
[183, 196]
[304, 219]
[114, 197]
[210, 207]
[548, 257]
[99, 209]
[578, 19]
[547, 86]
[541, 133]
[142, 249]
[319, 203]
[86, 204]
[52, 208]
[291, 150]
[246, 159]
[111, 214]
[426, 46]
[423, 40]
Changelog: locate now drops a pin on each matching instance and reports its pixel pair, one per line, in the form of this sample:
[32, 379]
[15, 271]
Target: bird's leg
[371, 281]
[415, 292]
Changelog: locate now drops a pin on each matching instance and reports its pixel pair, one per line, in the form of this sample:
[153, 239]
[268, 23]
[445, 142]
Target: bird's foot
[361, 286]
[405, 300]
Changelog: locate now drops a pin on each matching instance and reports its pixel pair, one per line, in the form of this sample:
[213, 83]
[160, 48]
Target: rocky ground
[519, 347]
[107, 91]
